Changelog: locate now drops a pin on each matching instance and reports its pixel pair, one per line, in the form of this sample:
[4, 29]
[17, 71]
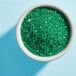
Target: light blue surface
[13, 62]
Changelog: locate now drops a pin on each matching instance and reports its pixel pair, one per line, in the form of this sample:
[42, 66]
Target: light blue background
[13, 62]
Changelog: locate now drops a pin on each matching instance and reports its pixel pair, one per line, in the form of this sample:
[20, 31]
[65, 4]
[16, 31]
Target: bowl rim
[25, 50]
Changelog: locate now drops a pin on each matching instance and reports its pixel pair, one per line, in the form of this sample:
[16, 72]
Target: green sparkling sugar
[45, 31]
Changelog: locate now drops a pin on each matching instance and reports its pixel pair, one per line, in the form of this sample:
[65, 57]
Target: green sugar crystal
[45, 31]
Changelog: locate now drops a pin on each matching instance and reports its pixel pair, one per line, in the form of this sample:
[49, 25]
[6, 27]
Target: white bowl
[25, 50]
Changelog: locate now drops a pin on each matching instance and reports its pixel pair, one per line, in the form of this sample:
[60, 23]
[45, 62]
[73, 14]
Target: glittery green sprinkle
[45, 31]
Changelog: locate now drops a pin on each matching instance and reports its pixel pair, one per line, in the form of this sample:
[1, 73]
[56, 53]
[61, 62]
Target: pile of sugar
[45, 31]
